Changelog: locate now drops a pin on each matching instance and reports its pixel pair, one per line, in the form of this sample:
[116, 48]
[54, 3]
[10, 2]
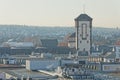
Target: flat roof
[10, 66]
[22, 72]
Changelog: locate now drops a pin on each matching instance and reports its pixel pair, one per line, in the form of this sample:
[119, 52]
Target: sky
[105, 13]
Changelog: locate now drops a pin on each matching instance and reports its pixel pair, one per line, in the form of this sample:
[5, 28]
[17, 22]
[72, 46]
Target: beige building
[83, 25]
[71, 41]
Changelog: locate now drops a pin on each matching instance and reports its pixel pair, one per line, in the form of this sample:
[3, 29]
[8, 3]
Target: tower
[83, 25]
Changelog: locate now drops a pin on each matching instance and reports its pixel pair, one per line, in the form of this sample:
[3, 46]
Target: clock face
[84, 31]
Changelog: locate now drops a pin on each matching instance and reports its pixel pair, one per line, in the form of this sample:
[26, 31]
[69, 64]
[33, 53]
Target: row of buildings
[82, 58]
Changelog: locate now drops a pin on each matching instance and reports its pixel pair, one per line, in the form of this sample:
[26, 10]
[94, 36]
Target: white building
[18, 44]
[49, 64]
[83, 24]
[9, 61]
[42, 64]
[110, 67]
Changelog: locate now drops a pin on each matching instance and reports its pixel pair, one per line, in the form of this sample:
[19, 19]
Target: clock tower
[83, 25]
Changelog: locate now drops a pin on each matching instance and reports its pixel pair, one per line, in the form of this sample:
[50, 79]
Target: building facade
[117, 52]
[110, 67]
[71, 40]
[83, 25]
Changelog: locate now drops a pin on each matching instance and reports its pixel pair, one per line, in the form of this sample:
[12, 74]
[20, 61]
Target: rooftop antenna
[84, 8]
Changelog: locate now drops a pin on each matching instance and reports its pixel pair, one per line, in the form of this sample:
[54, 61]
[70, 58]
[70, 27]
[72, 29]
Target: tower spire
[84, 8]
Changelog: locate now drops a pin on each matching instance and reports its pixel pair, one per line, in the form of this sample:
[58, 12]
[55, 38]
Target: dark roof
[49, 42]
[72, 35]
[112, 55]
[83, 17]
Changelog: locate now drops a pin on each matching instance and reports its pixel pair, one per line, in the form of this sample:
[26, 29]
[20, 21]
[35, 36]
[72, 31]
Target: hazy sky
[105, 13]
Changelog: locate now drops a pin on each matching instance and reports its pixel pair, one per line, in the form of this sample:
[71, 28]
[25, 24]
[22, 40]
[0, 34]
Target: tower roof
[83, 17]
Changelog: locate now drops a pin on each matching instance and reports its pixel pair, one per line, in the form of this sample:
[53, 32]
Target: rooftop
[26, 73]
[72, 35]
[49, 42]
[83, 17]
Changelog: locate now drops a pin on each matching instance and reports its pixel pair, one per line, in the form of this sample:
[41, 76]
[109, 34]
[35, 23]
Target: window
[84, 31]
[80, 41]
[73, 70]
[106, 67]
[80, 34]
[87, 34]
[84, 49]
[87, 41]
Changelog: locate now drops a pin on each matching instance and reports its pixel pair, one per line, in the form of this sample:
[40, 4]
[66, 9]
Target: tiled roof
[49, 42]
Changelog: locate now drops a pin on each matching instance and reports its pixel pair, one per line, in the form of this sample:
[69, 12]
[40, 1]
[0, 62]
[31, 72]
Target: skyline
[105, 13]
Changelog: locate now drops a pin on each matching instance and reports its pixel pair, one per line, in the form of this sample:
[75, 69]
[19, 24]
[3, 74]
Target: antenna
[84, 8]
